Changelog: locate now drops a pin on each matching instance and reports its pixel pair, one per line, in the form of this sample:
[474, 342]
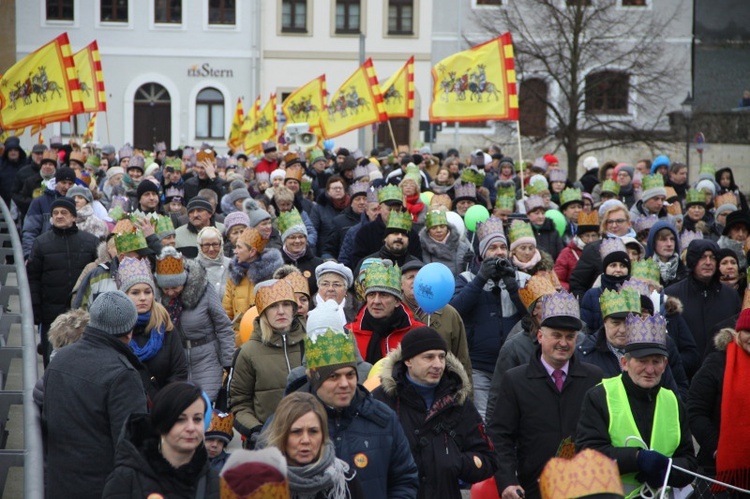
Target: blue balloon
[209, 410]
[434, 286]
[329, 144]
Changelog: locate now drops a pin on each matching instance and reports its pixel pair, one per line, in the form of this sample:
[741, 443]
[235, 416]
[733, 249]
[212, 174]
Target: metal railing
[31, 456]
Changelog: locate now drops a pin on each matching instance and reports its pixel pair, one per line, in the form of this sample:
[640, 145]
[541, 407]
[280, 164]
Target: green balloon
[558, 219]
[426, 197]
[474, 215]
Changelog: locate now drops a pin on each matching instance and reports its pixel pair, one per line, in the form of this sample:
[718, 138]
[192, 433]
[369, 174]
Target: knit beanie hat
[132, 271]
[200, 203]
[113, 313]
[64, 202]
[115, 170]
[254, 212]
[238, 194]
[622, 167]
[328, 347]
[65, 173]
[79, 190]
[590, 163]
[706, 184]
[743, 321]
[144, 187]
[421, 339]
[234, 219]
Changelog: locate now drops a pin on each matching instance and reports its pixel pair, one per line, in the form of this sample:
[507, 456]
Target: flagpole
[393, 137]
[106, 120]
[520, 154]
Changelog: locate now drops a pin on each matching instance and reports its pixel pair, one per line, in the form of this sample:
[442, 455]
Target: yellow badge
[307, 274]
[155, 496]
[360, 460]
[477, 462]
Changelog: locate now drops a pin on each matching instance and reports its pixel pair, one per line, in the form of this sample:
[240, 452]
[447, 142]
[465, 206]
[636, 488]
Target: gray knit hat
[113, 313]
[254, 212]
[238, 194]
[79, 190]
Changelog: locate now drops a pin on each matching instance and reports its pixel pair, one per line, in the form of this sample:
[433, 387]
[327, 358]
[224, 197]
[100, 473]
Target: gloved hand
[511, 285]
[487, 270]
[653, 466]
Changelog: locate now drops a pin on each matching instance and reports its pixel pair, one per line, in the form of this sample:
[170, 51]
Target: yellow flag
[235, 133]
[357, 103]
[5, 134]
[248, 124]
[90, 78]
[89, 135]
[306, 104]
[41, 88]
[398, 92]
[264, 127]
[477, 84]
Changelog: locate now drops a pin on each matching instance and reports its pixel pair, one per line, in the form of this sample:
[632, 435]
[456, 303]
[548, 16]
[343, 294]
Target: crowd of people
[184, 297]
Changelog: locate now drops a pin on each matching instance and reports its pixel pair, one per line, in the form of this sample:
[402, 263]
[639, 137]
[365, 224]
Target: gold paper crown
[78, 156]
[253, 239]
[652, 182]
[435, 218]
[611, 186]
[674, 208]
[588, 473]
[383, 277]
[128, 238]
[267, 295]
[170, 264]
[519, 229]
[646, 269]
[726, 198]
[221, 423]
[399, 221]
[441, 200]
[49, 156]
[694, 196]
[536, 287]
[588, 219]
[569, 195]
[298, 282]
[390, 193]
[288, 219]
[294, 173]
[618, 302]
[505, 202]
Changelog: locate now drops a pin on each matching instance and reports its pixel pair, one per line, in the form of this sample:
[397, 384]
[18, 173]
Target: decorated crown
[221, 426]
[315, 154]
[611, 186]
[175, 163]
[441, 200]
[646, 269]
[470, 175]
[689, 236]
[726, 198]
[490, 226]
[611, 245]
[78, 156]
[557, 175]
[560, 304]
[160, 146]
[537, 187]
[519, 229]
[298, 282]
[358, 188]
[137, 162]
[507, 190]
[505, 202]
[588, 219]
[638, 285]
[464, 190]
[536, 287]
[551, 276]
[649, 330]
[589, 473]
[272, 292]
[116, 213]
[619, 302]
[288, 219]
[125, 151]
[174, 192]
[305, 184]
[652, 182]
[294, 173]
[674, 208]
[163, 226]
[533, 202]
[128, 237]
[93, 160]
[434, 218]
[372, 195]
[50, 156]
[361, 172]
[390, 193]
[412, 173]
[133, 270]
[707, 169]
[329, 348]
[383, 276]
[399, 221]
[569, 195]
[253, 239]
[694, 196]
[170, 262]
[645, 223]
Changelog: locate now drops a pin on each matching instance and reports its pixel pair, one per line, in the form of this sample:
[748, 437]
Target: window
[575, 3]
[221, 12]
[607, 92]
[634, 3]
[209, 114]
[347, 16]
[468, 124]
[60, 10]
[168, 11]
[114, 11]
[294, 16]
[489, 2]
[75, 126]
[401, 17]
[532, 107]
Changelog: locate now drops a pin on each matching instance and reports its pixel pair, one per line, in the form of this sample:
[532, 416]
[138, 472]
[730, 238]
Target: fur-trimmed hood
[195, 285]
[452, 368]
[673, 306]
[259, 270]
[723, 338]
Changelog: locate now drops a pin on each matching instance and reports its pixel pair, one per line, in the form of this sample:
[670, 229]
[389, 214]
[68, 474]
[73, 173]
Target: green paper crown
[288, 219]
[520, 165]
[569, 195]
[175, 163]
[646, 269]
[536, 188]
[399, 221]
[505, 203]
[163, 225]
[412, 173]
[615, 302]
[434, 218]
[472, 176]
[315, 154]
[329, 348]
[130, 241]
[390, 193]
[306, 184]
[508, 190]
[93, 160]
[652, 182]
[380, 277]
[611, 186]
[694, 196]
[707, 168]
[520, 229]
[117, 213]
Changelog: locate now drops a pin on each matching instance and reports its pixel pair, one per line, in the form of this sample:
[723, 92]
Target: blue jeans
[481, 381]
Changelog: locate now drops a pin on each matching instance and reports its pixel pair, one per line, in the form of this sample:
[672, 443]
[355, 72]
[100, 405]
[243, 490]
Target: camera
[504, 267]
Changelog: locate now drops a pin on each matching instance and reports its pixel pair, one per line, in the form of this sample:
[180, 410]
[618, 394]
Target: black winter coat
[167, 366]
[449, 441]
[195, 184]
[57, 259]
[9, 169]
[589, 180]
[587, 269]
[31, 170]
[306, 264]
[548, 239]
[532, 417]
[340, 225]
[370, 239]
[322, 215]
[141, 470]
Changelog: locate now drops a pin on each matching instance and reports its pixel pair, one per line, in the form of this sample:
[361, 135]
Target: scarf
[340, 204]
[579, 244]
[174, 308]
[732, 464]
[631, 233]
[155, 339]
[381, 328]
[526, 266]
[294, 256]
[668, 269]
[326, 475]
[414, 205]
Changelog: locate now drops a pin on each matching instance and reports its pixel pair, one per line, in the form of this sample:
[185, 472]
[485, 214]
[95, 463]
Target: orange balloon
[246, 324]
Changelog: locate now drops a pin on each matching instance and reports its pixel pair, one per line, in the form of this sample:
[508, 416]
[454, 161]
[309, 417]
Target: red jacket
[265, 166]
[566, 262]
[388, 344]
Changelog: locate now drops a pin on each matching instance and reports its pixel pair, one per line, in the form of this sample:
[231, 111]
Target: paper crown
[694, 196]
[557, 175]
[746, 299]
[329, 348]
[163, 226]
[441, 200]
[586, 220]
[519, 229]
[221, 426]
[508, 190]
[174, 163]
[646, 269]
[551, 276]
[288, 219]
[569, 195]
[253, 239]
[535, 288]
[638, 285]
[361, 172]
[533, 202]
[137, 162]
[316, 154]
[674, 208]
[174, 192]
[298, 282]
[611, 186]
[160, 146]
[93, 160]
[560, 304]
[169, 263]
[490, 226]
[271, 292]
[294, 173]
[372, 195]
[646, 331]
[644, 223]
[390, 193]
[589, 473]
[78, 157]
[268, 465]
[464, 190]
[398, 222]
[619, 302]
[358, 189]
[611, 245]
[128, 237]
[435, 218]
[50, 156]
[652, 182]
[505, 202]
[411, 173]
[727, 198]
[707, 169]
[688, 237]
[131, 271]
[383, 276]
[537, 187]
[472, 176]
[125, 151]
[305, 184]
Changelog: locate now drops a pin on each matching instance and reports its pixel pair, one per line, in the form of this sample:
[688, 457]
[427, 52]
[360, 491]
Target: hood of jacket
[720, 172]
[723, 338]
[695, 251]
[447, 248]
[258, 270]
[661, 224]
[672, 306]
[393, 365]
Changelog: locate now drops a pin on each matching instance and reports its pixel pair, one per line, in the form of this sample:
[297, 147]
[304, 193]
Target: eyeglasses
[336, 188]
[618, 221]
[334, 285]
[210, 245]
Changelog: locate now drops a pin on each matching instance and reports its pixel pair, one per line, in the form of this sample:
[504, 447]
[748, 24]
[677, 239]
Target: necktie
[557, 375]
